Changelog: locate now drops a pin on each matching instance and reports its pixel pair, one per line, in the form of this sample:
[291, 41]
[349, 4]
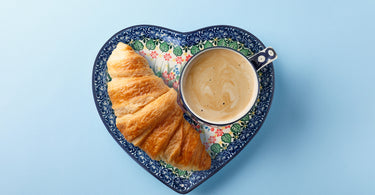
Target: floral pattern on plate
[167, 51]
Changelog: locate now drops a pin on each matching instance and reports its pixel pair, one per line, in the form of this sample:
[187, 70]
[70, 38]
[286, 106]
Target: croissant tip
[123, 46]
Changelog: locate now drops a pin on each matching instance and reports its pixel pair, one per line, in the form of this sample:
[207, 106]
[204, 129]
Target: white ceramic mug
[256, 62]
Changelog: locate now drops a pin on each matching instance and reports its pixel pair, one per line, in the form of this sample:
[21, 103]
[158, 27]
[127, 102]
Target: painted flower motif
[175, 85]
[179, 60]
[165, 74]
[154, 54]
[212, 129]
[188, 57]
[167, 57]
[171, 76]
[142, 53]
[212, 139]
[206, 145]
[219, 132]
[176, 70]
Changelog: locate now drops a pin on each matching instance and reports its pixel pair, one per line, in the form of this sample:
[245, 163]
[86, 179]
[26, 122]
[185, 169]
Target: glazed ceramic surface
[167, 51]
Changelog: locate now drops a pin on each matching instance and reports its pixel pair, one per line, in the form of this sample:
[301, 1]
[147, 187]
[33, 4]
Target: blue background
[317, 139]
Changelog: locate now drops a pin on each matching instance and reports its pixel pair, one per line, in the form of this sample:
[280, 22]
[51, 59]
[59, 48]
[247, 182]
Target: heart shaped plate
[167, 51]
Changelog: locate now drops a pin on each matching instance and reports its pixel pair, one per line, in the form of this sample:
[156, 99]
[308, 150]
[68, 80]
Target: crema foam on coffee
[219, 85]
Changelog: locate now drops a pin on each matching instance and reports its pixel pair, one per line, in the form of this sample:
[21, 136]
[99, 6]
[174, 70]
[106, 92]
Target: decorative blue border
[104, 107]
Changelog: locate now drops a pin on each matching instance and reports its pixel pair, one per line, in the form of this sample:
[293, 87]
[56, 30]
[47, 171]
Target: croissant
[148, 114]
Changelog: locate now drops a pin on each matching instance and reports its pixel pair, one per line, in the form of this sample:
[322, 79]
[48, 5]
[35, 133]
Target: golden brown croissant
[148, 114]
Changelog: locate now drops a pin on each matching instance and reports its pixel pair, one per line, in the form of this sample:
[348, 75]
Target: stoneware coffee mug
[255, 62]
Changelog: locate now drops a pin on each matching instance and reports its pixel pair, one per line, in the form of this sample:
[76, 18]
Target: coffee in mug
[218, 86]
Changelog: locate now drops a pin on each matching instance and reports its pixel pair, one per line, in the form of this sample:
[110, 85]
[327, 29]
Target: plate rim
[178, 32]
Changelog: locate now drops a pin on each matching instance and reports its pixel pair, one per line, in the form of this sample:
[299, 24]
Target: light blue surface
[317, 139]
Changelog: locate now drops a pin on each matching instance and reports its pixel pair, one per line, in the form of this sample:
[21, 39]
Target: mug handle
[263, 58]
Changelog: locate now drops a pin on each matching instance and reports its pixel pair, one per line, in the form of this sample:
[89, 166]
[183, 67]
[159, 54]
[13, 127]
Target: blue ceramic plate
[167, 51]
